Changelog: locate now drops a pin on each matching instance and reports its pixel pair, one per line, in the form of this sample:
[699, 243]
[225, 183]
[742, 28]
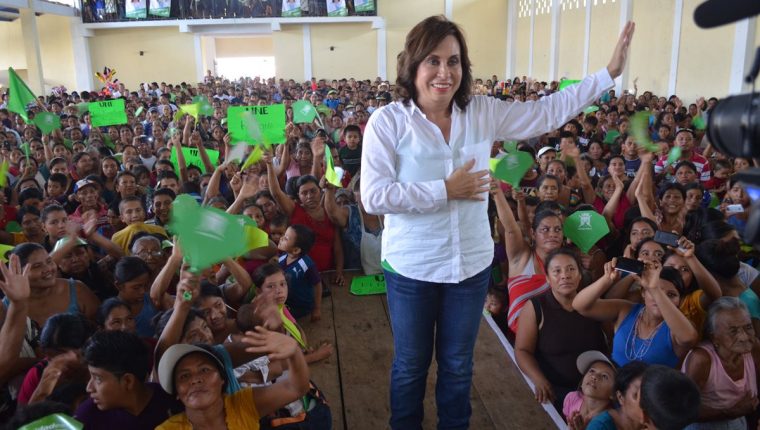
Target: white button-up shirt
[405, 161]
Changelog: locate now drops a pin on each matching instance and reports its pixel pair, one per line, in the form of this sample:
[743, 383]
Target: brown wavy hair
[420, 42]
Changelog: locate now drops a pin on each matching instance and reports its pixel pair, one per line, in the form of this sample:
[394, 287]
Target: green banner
[109, 112]
[192, 157]
[242, 120]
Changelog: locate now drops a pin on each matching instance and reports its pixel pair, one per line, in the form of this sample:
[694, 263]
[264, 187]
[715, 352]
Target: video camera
[733, 125]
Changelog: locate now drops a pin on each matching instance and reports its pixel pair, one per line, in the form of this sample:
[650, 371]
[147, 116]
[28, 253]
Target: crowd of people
[103, 321]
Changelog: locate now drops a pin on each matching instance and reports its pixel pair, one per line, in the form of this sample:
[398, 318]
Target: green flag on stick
[253, 158]
[47, 121]
[4, 167]
[208, 235]
[512, 167]
[333, 175]
[640, 132]
[585, 229]
[20, 95]
[303, 112]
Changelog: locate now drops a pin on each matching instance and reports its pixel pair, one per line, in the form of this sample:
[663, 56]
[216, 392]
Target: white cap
[172, 356]
[544, 150]
[586, 359]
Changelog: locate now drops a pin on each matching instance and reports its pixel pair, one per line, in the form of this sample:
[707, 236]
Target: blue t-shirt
[632, 166]
[602, 421]
[302, 276]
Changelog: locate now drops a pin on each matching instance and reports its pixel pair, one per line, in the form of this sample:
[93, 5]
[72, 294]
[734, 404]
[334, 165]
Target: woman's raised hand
[16, 281]
[620, 54]
[276, 346]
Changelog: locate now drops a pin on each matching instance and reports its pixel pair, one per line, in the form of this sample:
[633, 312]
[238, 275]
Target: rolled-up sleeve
[381, 193]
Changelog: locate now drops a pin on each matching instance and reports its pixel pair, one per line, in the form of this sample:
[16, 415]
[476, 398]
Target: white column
[530, 43]
[382, 53]
[554, 49]
[80, 47]
[307, 72]
[34, 76]
[743, 54]
[511, 35]
[448, 9]
[626, 13]
[198, 50]
[676, 47]
[208, 46]
[586, 37]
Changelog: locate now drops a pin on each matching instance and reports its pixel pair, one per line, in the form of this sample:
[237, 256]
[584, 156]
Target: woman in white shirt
[425, 166]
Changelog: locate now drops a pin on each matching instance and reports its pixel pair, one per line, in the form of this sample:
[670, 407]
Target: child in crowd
[305, 297]
[351, 154]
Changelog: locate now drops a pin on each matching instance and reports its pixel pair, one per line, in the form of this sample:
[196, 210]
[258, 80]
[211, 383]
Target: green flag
[512, 167]
[303, 112]
[591, 109]
[333, 174]
[13, 227]
[324, 109]
[674, 155]
[191, 109]
[510, 146]
[54, 422]
[108, 142]
[253, 158]
[107, 112]
[4, 173]
[47, 121]
[20, 95]
[564, 83]
[585, 228]
[208, 235]
[699, 123]
[640, 131]
[204, 107]
[610, 137]
[4, 249]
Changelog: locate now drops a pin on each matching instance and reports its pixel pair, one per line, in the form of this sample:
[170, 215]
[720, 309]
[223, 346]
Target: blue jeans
[424, 314]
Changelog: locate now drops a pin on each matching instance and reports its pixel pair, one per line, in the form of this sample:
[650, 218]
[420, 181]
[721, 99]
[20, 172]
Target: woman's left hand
[620, 55]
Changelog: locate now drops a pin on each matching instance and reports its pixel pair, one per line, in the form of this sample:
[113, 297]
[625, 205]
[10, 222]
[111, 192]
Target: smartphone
[734, 209]
[667, 239]
[629, 265]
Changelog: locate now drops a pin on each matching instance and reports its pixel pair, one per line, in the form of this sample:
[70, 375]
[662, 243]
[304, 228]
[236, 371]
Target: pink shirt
[573, 402]
[720, 391]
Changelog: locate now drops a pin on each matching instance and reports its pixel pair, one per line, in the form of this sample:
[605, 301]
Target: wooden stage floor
[355, 378]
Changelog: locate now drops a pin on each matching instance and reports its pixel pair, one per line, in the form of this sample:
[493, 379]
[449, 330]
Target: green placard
[366, 285]
[270, 119]
[192, 157]
[109, 112]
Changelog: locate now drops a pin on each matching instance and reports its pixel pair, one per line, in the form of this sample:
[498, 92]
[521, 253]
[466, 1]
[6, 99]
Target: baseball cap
[586, 359]
[83, 183]
[173, 355]
[544, 150]
[62, 241]
[332, 92]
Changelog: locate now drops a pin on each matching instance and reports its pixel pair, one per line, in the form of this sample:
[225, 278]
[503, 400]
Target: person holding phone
[654, 331]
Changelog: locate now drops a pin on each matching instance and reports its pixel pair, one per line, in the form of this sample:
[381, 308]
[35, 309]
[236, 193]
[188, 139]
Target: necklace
[638, 350]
